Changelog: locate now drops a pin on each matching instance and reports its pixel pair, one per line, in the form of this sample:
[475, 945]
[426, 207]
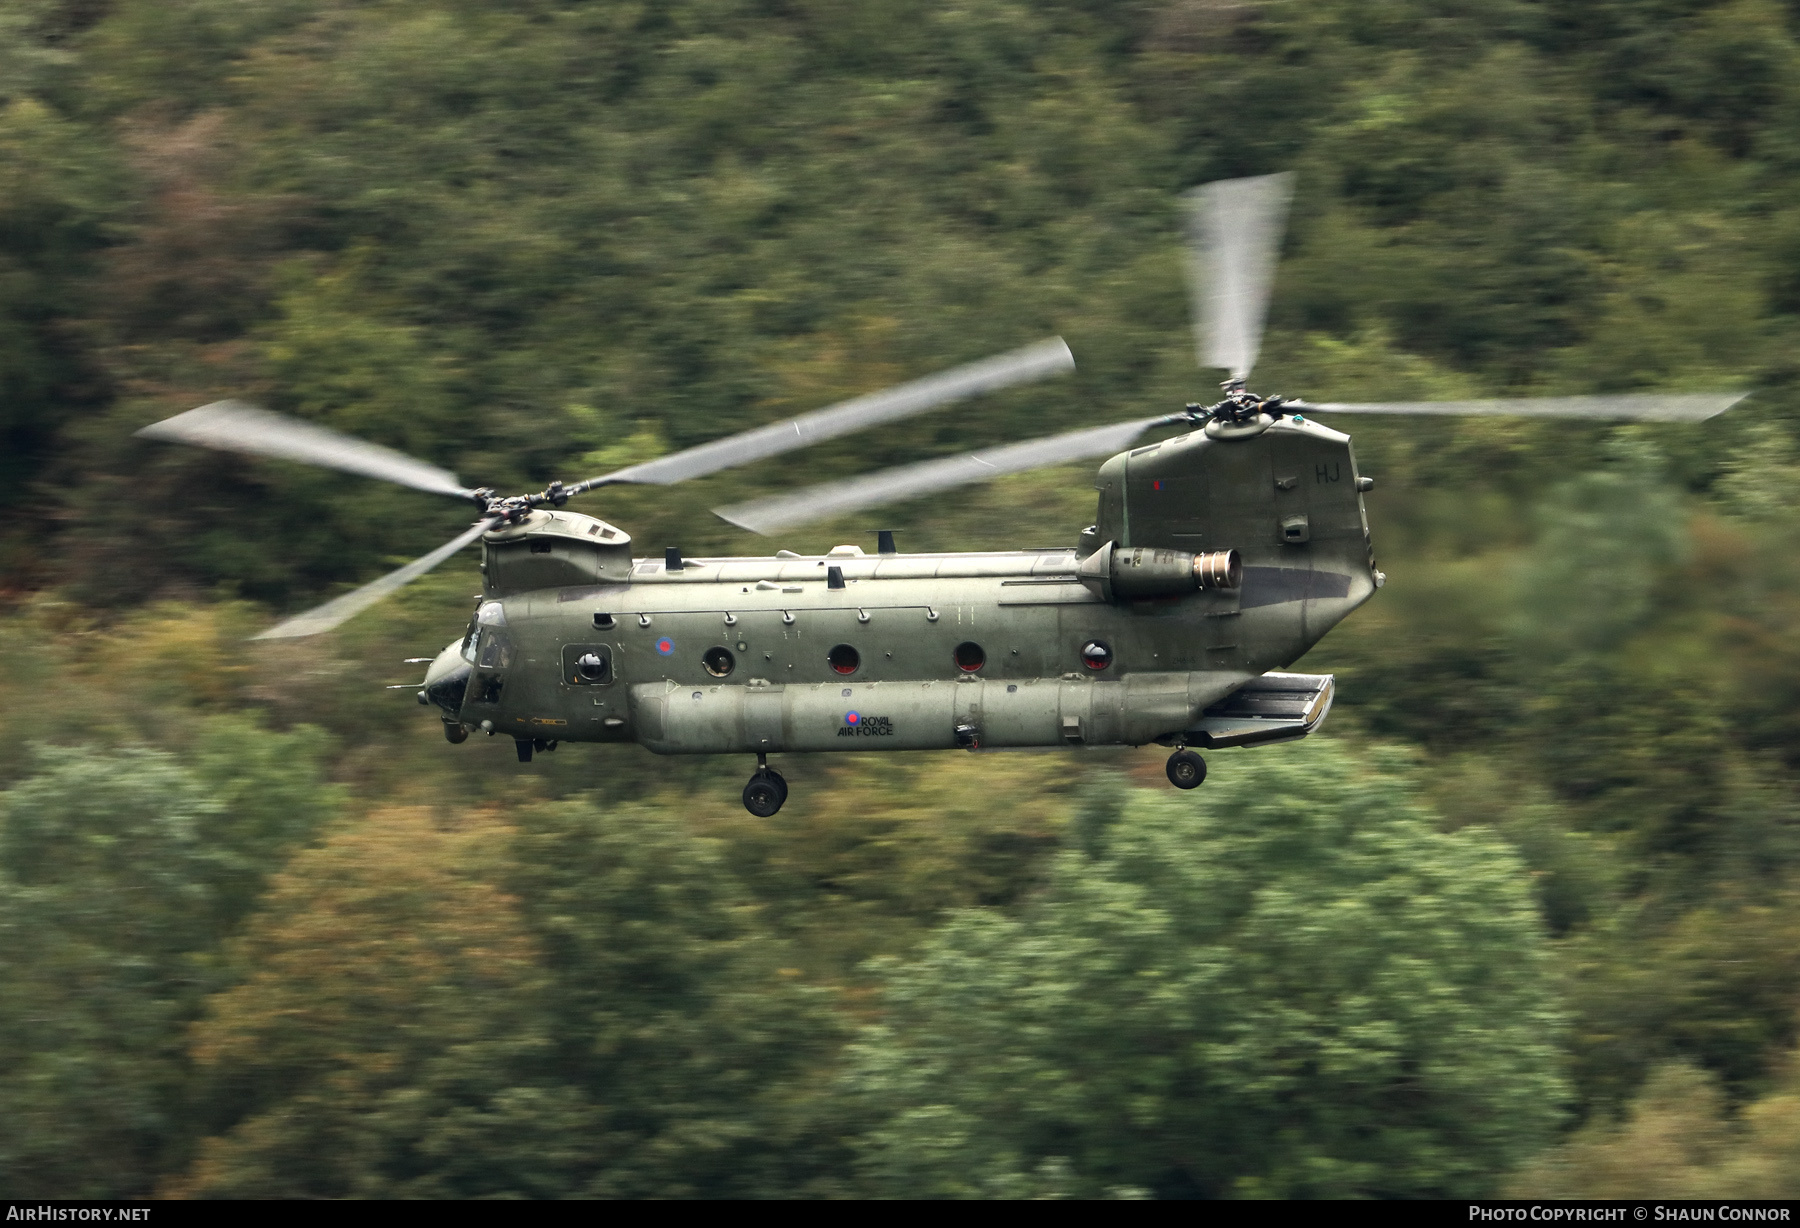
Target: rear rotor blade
[1234, 237]
[1032, 362]
[1646, 407]
[339, 609]
[234, 426]
[910, 481]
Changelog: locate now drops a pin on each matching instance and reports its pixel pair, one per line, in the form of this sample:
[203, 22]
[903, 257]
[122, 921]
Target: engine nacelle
[1146, 571]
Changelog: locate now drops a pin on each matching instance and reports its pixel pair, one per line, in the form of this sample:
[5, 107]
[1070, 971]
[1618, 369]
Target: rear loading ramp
[1275, 707]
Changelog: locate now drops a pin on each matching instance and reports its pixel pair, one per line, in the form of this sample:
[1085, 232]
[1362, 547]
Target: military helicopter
[1217, 558]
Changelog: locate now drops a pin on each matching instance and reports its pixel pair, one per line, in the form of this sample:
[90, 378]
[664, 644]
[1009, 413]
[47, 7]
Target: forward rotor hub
[512, 509]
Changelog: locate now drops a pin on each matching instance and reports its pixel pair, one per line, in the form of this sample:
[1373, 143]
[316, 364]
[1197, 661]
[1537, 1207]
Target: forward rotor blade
[1646, 407]
[1234, 237]
[339, 609]
[910, 481]
[1032, 362]
[234, 426]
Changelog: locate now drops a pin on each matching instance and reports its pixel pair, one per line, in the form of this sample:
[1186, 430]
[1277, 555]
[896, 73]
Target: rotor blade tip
[281, 633]
[732, 516]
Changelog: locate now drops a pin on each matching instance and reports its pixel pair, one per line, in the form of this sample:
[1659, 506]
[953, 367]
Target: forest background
[1521, 918]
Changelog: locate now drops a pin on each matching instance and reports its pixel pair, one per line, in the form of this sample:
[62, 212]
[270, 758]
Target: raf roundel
[852, 718]
[666, 646]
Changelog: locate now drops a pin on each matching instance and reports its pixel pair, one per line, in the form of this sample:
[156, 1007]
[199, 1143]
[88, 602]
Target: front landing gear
[1186, 769]
[766, 792]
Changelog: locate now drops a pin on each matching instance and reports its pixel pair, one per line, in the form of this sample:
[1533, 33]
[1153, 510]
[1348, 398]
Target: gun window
[587, 664]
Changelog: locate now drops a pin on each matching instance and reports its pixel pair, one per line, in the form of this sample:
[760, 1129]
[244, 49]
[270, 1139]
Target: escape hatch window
[969, 656]
[844, 659]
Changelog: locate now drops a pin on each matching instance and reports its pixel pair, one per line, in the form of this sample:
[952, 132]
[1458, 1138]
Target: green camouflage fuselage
[575, 640]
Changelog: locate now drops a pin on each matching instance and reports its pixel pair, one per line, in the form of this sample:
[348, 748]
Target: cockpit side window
[495, 652]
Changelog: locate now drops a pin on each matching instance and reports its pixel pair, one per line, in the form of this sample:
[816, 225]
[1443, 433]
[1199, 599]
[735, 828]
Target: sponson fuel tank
[671, 718]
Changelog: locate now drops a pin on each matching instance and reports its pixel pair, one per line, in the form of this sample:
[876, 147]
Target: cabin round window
[1096, 655]
[591, 666]
[844, 659]
[969, 656]
[718, 662]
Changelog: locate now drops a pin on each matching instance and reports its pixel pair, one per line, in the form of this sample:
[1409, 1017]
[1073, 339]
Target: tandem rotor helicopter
[1217, 558]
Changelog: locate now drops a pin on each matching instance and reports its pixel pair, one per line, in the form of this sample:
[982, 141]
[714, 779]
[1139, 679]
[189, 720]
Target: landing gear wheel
[764, 794]
[1186, 770]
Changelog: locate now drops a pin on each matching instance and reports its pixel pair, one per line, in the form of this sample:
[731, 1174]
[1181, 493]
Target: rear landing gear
[1186, 769]
[766, 792]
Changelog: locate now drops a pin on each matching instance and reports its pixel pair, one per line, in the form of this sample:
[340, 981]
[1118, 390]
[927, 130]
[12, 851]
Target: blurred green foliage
[1680, 1140]
[1304, 990]
[121, 873]
[267, 934]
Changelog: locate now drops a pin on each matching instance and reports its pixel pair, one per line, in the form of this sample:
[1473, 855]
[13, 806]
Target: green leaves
[58, 200]
[391, 1003]
[674, 1008]
[1677, 1140]
[1300, 989]
[1610, 541]
[120, 876]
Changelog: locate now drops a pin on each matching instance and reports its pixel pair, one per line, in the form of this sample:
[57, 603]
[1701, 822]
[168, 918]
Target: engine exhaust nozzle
[1219, 569]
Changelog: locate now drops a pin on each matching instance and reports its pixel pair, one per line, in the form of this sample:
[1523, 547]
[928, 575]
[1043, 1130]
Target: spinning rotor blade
[1647, 407]
[1032, 362]
[233, 426]
[911, 481]
[1234, 237]
[338, 609]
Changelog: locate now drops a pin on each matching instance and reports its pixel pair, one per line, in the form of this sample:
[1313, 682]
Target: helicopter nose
[446, 680]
